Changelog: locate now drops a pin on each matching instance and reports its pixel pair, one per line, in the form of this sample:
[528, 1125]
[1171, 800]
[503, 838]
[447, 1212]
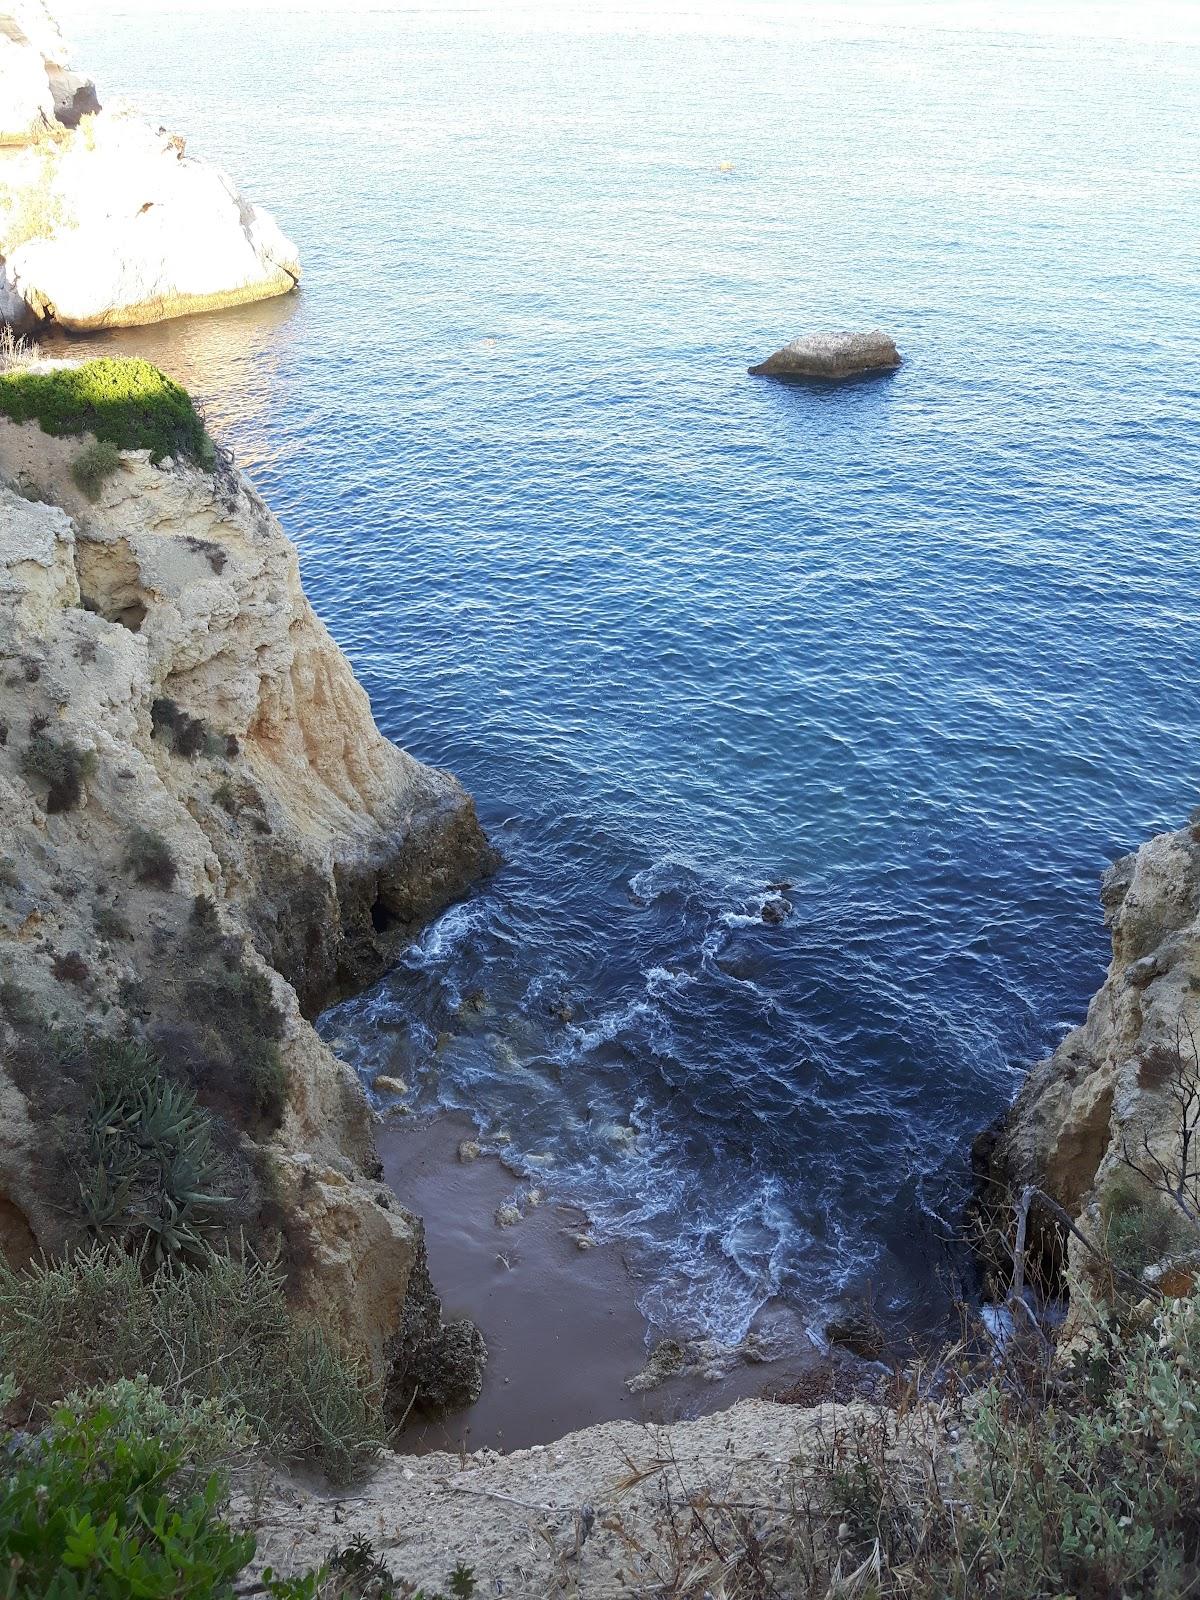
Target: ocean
[924, 649]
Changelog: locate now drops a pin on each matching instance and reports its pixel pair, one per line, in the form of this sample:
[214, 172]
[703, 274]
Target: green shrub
[221, 1331]
[122, 1495]
[233, 1008]
[148, 1173]
[94, 465]
[129, 404]
[356, 1573]
[61, 766]
[1141, 1226]
[203, 1435]
[92, 1508]
[149, 858]
[1084, 1484]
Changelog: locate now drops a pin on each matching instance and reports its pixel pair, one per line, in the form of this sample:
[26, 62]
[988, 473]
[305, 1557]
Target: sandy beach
[562, 1323]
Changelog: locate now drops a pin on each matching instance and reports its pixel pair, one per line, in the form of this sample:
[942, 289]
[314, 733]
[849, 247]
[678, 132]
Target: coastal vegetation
[124, 1493]
[215, 1329]
[94, 465]
[127, 404]
[61, 767]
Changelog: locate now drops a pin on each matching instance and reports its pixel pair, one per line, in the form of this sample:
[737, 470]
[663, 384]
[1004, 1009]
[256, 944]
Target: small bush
[204, 1435]
[356, 1573]
[15, 352]
[129, 404]
[61, 766]
[149, 858]
[18, 1005]
[1141, 1227]
[111, 924]
[187, 735]
[233, 1008]
[93, 1508]
[94, 465]
[70, 967]
[219, 1331]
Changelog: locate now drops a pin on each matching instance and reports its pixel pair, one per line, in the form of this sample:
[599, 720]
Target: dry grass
[15, 353]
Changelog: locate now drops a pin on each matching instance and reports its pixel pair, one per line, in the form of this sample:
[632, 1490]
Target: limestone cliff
[1117, 1086]
[105, 221]
[203, 837]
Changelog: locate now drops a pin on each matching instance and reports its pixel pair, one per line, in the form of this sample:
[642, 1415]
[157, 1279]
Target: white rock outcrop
[105, 221]
[26, 102]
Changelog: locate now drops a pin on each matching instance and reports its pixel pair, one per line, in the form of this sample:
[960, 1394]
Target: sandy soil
[562, 1324]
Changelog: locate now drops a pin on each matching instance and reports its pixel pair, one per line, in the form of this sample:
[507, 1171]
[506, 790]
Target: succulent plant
[149, 1175]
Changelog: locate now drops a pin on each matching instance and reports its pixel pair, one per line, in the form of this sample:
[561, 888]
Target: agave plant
[149, 1175]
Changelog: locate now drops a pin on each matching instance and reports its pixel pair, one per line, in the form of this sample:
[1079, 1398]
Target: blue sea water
[926, 648]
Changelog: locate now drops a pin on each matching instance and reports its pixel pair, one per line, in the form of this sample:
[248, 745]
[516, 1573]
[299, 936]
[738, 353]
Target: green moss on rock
[129, 404]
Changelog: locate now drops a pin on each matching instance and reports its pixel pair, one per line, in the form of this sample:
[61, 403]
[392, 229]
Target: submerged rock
[856, 1330]
[831, 355]
[667, 1358]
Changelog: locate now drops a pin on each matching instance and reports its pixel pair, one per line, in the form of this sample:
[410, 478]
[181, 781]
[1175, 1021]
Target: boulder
[831, 355]
[107, 223]
[136, 232]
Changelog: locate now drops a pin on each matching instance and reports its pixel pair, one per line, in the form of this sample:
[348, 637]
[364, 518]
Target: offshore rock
[129, 230]
[160, 633]
[831, 355]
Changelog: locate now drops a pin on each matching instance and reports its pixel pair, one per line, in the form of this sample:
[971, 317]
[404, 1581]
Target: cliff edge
[203, 838]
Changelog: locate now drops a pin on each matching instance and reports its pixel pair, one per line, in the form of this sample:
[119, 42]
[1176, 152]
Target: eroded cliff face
[1113, 1086]
[204, 837]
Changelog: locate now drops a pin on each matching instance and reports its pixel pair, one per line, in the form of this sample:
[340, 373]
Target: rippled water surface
[926, 649]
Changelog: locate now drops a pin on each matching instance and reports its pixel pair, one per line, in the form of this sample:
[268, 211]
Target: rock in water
[831, 355]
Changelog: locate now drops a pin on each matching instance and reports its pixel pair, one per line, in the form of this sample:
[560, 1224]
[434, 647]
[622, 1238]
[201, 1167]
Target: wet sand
[562, 1324]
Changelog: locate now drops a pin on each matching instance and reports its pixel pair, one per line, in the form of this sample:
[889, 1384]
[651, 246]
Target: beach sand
[562, 1323]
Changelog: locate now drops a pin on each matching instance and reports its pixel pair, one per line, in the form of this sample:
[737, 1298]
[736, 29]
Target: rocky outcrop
[1113, 1087]
[29, 25]
[26, 102]
[105, 221]
[204, 837]
[831, 355]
